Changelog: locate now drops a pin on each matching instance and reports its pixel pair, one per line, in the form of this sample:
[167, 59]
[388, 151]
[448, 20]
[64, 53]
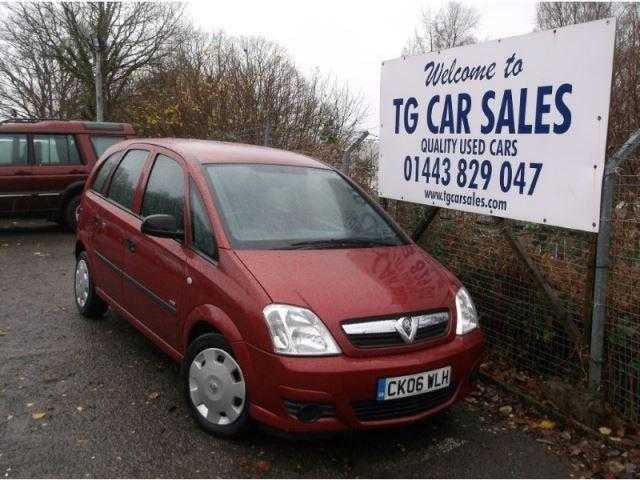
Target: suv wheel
[70, 213]
[214, 386]
[89, 304]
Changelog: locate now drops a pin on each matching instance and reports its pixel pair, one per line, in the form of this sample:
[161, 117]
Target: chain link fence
[622, 333]
[519, 320]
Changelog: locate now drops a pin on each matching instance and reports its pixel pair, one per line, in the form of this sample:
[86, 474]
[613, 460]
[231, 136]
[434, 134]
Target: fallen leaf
[263, 466]
[38, 415]
[634, 455]
[79, 408]
[505, 410]
[613, 453]
[542, 440]
[588, 449]
[605, 431]
[29, 405]
[153, 395]
[547, 424]
[2, 332]
[615, 467]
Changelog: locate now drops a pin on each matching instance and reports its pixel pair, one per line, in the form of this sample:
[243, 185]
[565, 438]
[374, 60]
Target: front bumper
[343, 383]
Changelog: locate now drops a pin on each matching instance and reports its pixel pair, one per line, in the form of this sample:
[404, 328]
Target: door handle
[131, 245]
[23, 172]
[76, 172]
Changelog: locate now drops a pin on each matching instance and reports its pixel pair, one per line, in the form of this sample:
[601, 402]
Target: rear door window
[51, 150]
[164, 193]
[100, 182]
[13, 149]
[126, 177]
[102, 142]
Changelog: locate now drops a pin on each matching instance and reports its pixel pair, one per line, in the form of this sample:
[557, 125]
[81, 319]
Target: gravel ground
[96, 399]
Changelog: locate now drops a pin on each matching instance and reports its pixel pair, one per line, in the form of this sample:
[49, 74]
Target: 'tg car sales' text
[501, 111]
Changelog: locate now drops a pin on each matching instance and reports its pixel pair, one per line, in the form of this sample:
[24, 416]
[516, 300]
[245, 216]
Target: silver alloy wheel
[82, 283]
[216, 386]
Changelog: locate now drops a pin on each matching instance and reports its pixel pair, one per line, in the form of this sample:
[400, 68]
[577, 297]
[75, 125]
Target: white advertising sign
[514, 128]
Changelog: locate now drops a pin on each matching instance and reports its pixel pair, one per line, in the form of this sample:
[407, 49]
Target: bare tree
[31, 81]
[238, 88]
[57, 36]
[453, 25]
[559, 14]
[624, 114]
[169, 79]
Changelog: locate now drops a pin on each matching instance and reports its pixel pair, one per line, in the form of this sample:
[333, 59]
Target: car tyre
[70, 213]
[89, 304]
[214, 387]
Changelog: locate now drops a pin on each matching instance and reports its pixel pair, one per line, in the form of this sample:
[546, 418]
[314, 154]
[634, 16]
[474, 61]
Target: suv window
[164, 193]
[201, 231]
[55, 150]
[106, 168]
[101, 143]
[13, 149]
[125, 178]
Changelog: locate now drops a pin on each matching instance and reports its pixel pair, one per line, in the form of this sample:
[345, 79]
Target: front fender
[222, 323]
[218, 320]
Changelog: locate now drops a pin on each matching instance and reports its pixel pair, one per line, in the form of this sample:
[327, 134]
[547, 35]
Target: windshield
[285, 207]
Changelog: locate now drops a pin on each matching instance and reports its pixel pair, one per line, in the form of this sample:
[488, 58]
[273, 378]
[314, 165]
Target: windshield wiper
[341, 242]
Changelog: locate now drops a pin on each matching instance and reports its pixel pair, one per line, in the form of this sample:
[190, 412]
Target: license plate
[409, 385]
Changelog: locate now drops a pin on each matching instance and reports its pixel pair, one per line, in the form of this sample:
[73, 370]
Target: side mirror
[164, 226]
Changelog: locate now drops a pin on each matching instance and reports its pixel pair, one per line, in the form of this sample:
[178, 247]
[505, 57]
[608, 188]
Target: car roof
[66, 126]
[211, 151]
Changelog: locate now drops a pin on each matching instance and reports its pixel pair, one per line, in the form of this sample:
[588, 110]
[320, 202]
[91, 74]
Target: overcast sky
[350, 38]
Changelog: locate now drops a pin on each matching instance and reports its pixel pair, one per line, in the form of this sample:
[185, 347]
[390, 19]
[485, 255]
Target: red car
[286, 293]
[44, 164]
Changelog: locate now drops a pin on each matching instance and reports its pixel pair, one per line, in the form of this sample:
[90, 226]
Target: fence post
[428, 217]
[346, 158]
[266, 141]
[98, 45]
[603, 248]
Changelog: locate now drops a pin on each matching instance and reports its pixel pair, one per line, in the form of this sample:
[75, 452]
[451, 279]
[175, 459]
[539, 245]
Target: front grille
[373, 340]
[371, 410]
[383, 333]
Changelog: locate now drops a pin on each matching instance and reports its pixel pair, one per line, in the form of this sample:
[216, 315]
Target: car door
[107, 210]
[58, 164]
[155, 267]
[15, 173]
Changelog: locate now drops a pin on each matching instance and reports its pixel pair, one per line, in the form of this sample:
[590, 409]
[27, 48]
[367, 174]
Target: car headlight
[466, 312]
[298, 331]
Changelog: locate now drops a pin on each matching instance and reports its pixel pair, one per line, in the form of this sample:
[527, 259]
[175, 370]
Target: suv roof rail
[89, 125]
[103, 125]
[27, 120]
